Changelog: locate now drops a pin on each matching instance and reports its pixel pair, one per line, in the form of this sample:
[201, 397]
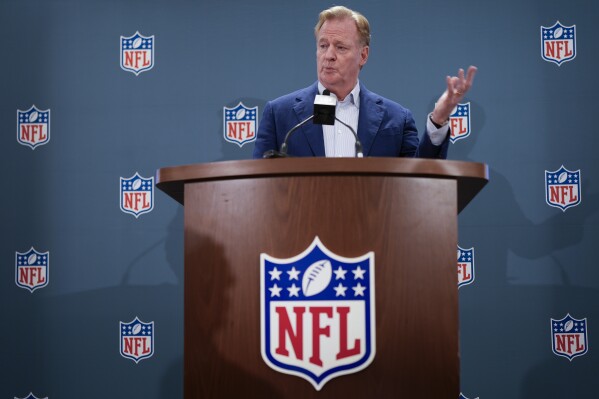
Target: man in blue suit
[384, 127]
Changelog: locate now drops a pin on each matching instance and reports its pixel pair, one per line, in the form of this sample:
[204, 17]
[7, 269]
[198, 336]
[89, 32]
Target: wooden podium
[404, 210]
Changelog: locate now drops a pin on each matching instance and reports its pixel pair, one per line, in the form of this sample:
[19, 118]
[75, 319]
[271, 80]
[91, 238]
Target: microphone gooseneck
[359, 152]
[293, 129]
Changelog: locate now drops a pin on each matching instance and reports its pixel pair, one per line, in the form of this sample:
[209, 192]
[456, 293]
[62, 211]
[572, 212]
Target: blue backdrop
[95, 122]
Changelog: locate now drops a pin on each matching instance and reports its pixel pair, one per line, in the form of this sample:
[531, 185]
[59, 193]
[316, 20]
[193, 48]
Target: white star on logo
[358, 290]
[293, 274]
[340, 290]
[339, 273]
[358, 273]
[275, 291]
[275, 274]
[293, 290]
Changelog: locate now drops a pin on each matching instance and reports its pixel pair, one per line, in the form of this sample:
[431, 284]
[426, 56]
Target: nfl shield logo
[569, 337]
[31, 396]
[137, 194]
[137, 53]
[465, 266]
[32, 269]
[459, 122]
[317, 314]
[240, 124]
[562, 188]
[137, 340]
[33, 127]
[558, 43]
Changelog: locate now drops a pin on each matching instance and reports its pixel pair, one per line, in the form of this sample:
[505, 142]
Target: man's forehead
[342, 27]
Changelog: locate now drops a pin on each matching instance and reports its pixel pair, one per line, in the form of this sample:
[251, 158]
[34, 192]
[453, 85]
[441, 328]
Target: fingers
[461, 84]
[448, 79]
[471, 72]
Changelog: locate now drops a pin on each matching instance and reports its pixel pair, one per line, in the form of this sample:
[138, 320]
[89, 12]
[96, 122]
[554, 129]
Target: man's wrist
[436, 122]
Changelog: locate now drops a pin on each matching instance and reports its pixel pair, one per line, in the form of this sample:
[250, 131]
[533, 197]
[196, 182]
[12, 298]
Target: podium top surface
[471, 176]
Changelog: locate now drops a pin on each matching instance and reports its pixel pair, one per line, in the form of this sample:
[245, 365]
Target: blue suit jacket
[385, 128]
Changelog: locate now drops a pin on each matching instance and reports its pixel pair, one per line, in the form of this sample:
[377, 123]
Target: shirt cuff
[437, 135]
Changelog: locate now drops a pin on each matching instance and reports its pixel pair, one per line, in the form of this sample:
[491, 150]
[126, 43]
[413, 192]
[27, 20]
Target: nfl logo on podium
[137, 195]
[459, 122]
[465, 266]
[317, 314]
[137, 53]
[240, 124]
[562, 188]
[33, 127]
[558, 43]
[32, 269]
[569, 337]
[137, 340]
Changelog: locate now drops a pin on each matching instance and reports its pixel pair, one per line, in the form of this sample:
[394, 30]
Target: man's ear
[364, 55]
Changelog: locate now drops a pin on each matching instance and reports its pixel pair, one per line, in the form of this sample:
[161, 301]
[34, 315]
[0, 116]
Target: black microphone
[324, 108]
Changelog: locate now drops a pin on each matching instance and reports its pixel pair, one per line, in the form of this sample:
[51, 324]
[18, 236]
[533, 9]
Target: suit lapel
[371, 116]
[304, 107]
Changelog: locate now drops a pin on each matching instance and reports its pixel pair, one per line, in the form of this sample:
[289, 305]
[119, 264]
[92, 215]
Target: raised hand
[457, 87]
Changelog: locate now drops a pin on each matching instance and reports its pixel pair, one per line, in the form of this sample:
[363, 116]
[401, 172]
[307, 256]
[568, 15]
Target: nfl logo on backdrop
[33, 127]
[240, 124]
[32, 269]
[459, 122]
[559, 43]
[137, 53]
[31, 396]
[317, 313]
[137, 195]
[465, 266]
[137, 340]
[569, 337]
[562, 188]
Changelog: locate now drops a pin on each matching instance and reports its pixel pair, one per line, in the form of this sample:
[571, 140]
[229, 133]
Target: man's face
[339, 55]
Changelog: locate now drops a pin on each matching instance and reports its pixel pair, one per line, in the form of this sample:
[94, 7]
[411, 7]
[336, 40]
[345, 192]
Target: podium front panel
[409, 223]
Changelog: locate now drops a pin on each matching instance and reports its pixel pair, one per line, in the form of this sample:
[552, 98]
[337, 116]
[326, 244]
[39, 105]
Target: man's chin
[328, 80]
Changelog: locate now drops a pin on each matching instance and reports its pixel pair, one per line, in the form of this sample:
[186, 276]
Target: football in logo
[317, 277]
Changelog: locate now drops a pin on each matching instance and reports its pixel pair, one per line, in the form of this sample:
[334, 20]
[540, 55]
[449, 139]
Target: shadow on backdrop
[497, 308]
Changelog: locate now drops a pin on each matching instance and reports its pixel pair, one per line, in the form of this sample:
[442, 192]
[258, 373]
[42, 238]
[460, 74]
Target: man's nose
[330, 54]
